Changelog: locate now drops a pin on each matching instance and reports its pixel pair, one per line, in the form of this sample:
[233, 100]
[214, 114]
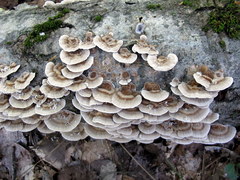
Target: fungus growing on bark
[161, 63]
[142, 46]
[24, 80]
[152, 92]
[75, 57]
[107, 43]
[63, 121]
[125, 56]
[69, 43]
[87, 43]
[125, 78]
[126, 98]
[50, 106]
[52, 91]
[82, 66]
[6, 70]
[104, 92]
[94, 80]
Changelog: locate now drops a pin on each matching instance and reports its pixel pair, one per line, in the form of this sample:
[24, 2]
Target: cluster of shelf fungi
[113, 110]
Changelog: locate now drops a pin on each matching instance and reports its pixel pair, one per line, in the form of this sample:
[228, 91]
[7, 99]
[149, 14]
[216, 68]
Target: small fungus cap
[190, 113]
[221, 133]
[107, 43]
[153, 92]
[6, 70]
[94, 80]
[162, 63]
[126, 98]
[194, 91]
[52, 91]
[76, 134]
[79, 83]
[125, 56]
[87, 43]
[70, 75]
[63, 121]
[50, 106]
[75, 57]
[142, 46]
[104, 92]
[125, 78]
[23, 94]
[7, 86]
[69, 43]
[20, 103]
[24, 80]
[82, 66]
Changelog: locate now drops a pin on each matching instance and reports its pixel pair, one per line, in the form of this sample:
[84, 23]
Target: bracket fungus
[124, 56]
[126, 98]
[69, 43]
[121, 114]
[162, 63]
[152, 92]
[6, 70]
[75, 57]
[125, 78]
[107, 43]
[87, 42]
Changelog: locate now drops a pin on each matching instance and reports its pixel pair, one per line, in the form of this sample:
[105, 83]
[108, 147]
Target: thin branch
[30, 168]
[137, 162]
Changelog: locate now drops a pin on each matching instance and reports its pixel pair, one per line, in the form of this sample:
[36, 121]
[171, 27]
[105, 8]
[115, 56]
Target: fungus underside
[41, 32]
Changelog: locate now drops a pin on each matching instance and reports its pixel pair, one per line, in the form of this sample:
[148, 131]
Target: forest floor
[34, 156]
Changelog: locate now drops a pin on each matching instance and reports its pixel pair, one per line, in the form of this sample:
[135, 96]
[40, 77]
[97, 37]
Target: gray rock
[175, 30]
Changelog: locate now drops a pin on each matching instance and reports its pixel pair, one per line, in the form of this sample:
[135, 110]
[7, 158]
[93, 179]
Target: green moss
[188, 3]
[222, 44]
[154, 6]
[98, 18]
[9, 43]
[41, 32]
[226, 20]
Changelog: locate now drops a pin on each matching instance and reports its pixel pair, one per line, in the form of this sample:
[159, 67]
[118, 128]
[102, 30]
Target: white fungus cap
[107, 43]
[6, 70]
[153, 92]
[162, 63]
[63, 121]
[24, 80]
[125, 56]
[50, 106]
[52, 91]
[71, 58]
[82, 66]
[69, 43]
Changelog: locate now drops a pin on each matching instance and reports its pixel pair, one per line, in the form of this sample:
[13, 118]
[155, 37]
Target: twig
[169, 163]
[203, 165]
[27, 170]
[137, 162]
[213, 162]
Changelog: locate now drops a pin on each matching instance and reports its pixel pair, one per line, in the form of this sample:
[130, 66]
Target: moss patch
[153, 6]
[188, 3]
[222, 44]
[42, 31]
[98, 18]
[226, 20]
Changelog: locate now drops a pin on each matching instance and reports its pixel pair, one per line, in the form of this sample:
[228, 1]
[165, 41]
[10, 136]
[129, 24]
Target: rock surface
[175, 30]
